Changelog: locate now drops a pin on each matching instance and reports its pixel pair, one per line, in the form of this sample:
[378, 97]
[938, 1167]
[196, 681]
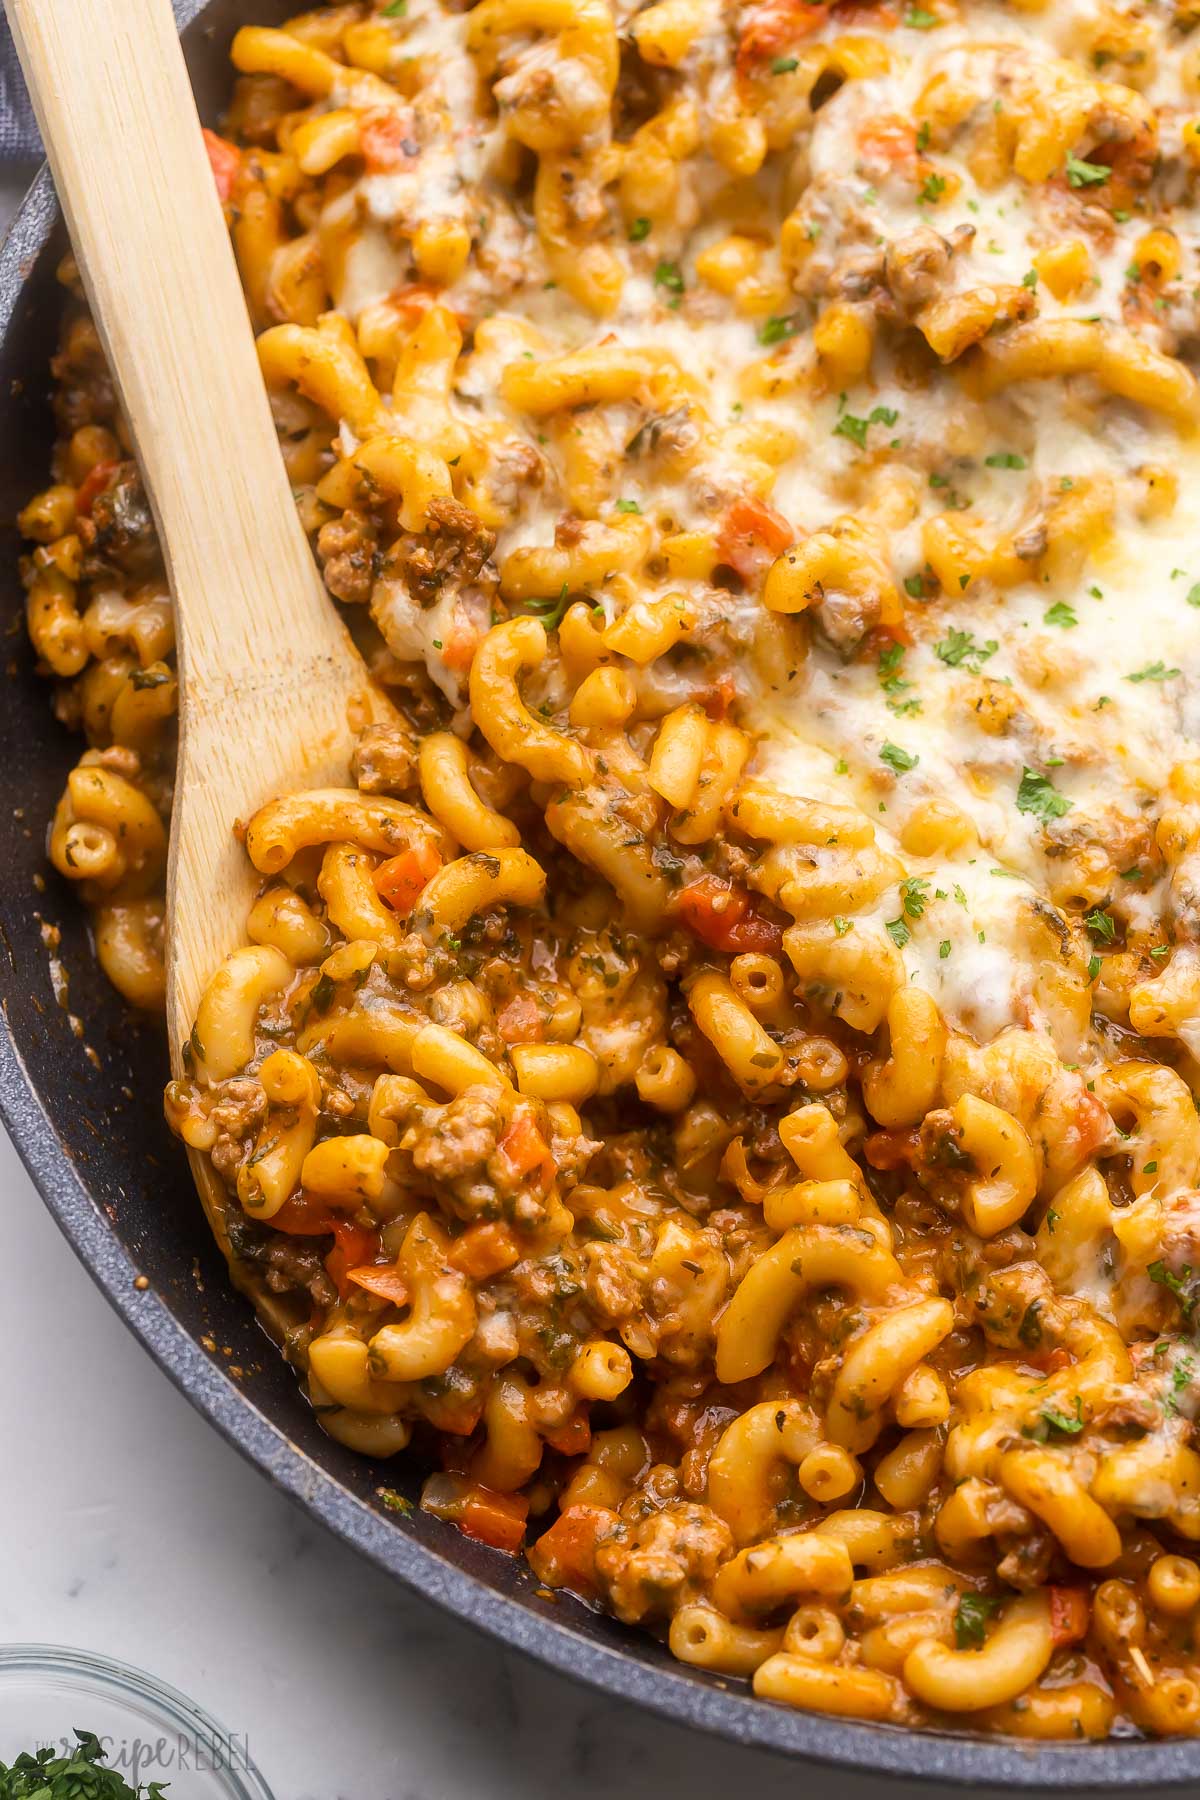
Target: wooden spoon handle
[267, 668]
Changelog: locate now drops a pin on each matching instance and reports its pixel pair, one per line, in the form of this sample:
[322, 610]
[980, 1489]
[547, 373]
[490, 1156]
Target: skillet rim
[669, 1692]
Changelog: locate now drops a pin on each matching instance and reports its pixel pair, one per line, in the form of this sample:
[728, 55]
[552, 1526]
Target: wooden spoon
[269, 680]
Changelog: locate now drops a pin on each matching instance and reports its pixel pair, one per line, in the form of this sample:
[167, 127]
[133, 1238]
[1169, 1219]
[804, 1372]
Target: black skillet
[90, 1131]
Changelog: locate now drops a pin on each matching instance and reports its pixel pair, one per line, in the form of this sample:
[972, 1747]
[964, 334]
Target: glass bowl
[148, 1731]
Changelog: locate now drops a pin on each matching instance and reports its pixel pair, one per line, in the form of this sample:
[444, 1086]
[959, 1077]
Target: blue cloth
[19, 141]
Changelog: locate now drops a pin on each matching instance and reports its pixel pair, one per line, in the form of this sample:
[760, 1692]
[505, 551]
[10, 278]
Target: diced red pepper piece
[92, 486]
[495, 1519]
[565, 1556]
[725, 918]
[400, 880]
[225, 160]
[382, 1279]
[1069, 1612]
[525, 1149]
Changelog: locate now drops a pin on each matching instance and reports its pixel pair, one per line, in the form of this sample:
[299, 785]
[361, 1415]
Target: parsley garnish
[670, 276]
[1178, 1284]
[1060, 614]
[959, 649]
[1155, 671]
[394, 1502]
[550, 612]
[970, 1619]
[912, 893]
[919, 20]
[1101, 925]
[779, 327]
[849, 426]
[899, 760]
[1006, 459]
[1038, 795]
[396, 10]
[944, 948]
[1051, 1419]
[783, 65]
[628, 506]
[1085, 174]
[898, 931]
[933, 188]
[639, 230]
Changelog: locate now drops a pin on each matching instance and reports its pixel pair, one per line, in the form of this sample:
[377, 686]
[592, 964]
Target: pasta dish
[719, 1085]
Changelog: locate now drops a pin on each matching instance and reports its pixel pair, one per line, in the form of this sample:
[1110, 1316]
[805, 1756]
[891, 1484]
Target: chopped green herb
[394, 1502]
[849, 426]
[1030, 279]
[1006, 459]
[639, 231]
[970, 1619]
[779, 327]
[1060, 614]
[1085, 174]
[670, 276]
[912, 893]
[396, 10]
[784, 65]
[919, 20]
[932, 189]
[1181, 1285]
[840, 925]
[958, 649]
[944, 948]
[1155, 671]
[1038, 795]
[899, 760]
[628, 506]
[898, 931]
[1101, 925]
[1051, 1418]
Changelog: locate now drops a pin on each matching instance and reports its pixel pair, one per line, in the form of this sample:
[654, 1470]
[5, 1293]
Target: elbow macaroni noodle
[722, 1076]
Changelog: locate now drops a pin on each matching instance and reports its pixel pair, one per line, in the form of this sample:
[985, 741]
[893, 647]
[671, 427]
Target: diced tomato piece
[382, 1279]
[385, 137]
[725, 918]
[353, 1246]
[495, 1519]
[519, 1020]
[93, 485]
[1069, 1612]
[525, 1149]
[888, 138]
[752, 535]
[773, 26]
[565, 1556]
[225, 160]
[484, 1250]
[401, 878]
[573, 1437]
